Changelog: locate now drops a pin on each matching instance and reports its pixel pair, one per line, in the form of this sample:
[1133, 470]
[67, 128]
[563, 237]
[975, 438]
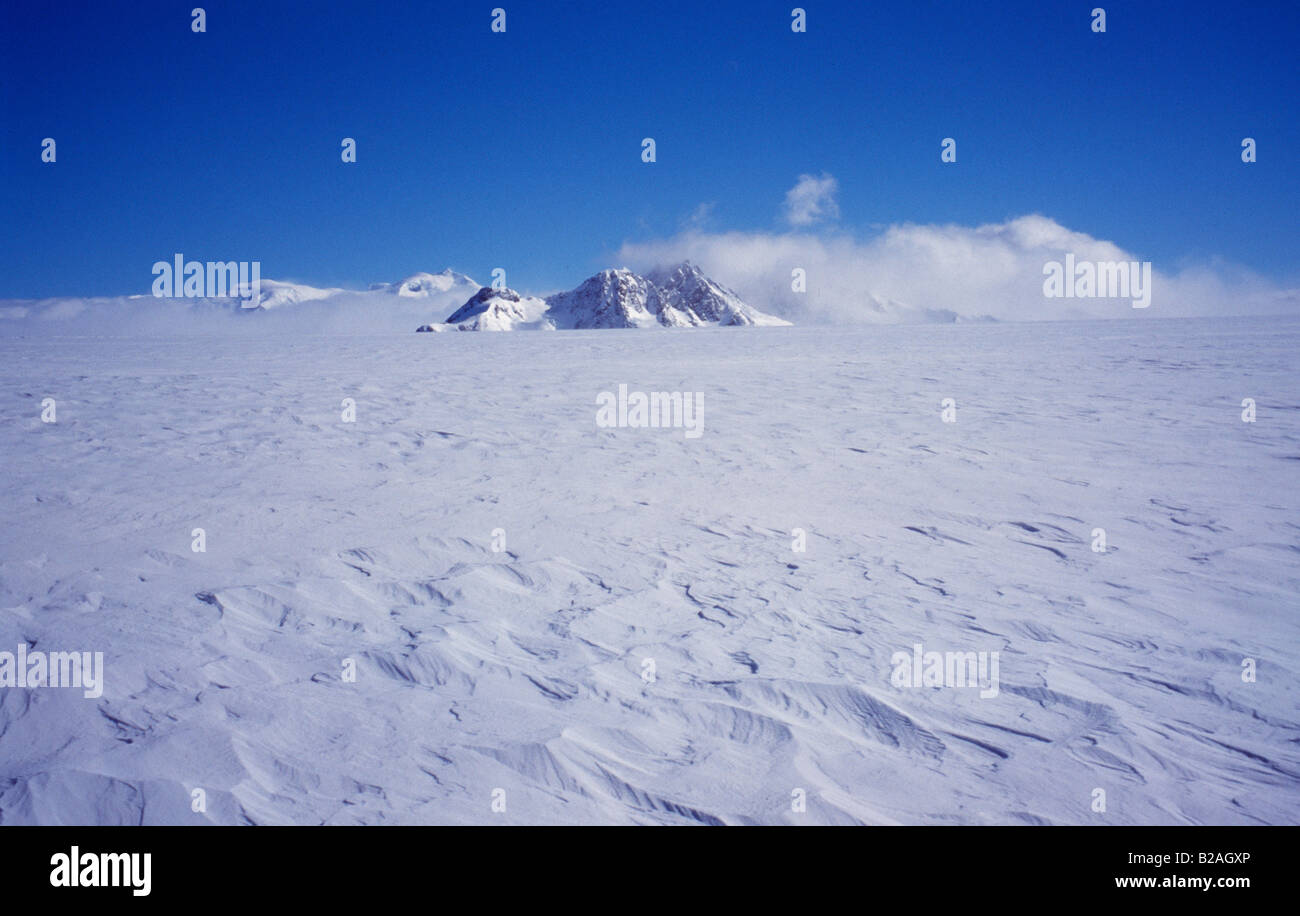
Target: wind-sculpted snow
[525, 669]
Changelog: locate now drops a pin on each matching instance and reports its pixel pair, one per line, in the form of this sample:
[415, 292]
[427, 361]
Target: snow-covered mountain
[680, 296]
[500, 310]
[276, 293]
[425, 285]
[610, 299]
[688, 298]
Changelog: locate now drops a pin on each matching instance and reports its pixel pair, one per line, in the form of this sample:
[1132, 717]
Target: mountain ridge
[678, 296]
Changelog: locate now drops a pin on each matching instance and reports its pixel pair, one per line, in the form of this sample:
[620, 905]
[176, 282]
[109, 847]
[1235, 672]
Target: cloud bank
[912, 272]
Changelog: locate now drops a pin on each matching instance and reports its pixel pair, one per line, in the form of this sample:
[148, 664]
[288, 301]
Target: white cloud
[700, 217]
[909, 270]
[812, 200]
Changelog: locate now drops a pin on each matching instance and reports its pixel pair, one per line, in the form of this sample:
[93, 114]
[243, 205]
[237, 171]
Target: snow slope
[524, 670]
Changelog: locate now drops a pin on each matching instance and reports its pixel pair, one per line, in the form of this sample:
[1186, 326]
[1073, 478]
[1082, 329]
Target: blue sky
[522, 149]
